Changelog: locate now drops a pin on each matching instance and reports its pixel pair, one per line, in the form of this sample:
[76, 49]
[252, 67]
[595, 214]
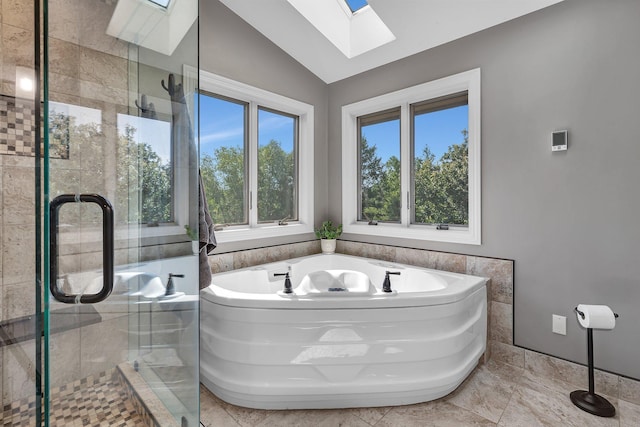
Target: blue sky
[156, 133]
[276, 127]
[222, 124]
[356, 4]
[438, 130]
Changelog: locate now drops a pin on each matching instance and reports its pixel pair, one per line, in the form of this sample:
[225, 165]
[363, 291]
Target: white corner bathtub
[338, 341]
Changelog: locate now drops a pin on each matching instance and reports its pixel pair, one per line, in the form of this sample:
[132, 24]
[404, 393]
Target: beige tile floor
[495, 394]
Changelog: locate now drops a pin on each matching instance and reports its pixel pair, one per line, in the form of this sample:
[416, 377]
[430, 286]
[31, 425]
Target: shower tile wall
[17, 197]
[90, 70]
[87, 69]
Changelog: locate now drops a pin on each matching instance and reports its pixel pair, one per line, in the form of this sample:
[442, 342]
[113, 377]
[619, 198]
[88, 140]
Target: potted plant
[328, 233]
[193, 236]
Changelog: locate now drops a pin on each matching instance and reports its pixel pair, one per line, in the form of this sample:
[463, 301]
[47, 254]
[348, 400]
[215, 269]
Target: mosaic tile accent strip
[93, 401]
[18, 127]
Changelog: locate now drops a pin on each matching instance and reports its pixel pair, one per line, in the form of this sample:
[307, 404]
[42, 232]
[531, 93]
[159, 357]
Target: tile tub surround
[222, 262]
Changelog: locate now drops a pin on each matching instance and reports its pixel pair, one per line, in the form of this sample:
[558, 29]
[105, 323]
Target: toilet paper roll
[596, 316]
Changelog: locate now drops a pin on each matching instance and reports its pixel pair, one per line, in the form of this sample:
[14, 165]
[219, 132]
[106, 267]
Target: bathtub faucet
[287, 282]
[171, 289]
[386, 285]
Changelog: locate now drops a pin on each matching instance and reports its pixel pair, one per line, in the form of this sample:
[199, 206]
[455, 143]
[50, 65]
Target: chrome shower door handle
[107, 248]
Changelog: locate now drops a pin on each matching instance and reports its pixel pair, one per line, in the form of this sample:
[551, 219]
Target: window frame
[296, 165]
[426, 107]
[375, 118]
[468, 81]
[245, 148]
[177, 197]
[256, 98]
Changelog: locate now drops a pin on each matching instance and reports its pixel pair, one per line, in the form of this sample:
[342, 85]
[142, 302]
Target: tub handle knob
[171, 289]
[287, 282]
[386, 285]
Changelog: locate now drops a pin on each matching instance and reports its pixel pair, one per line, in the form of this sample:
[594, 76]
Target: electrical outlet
[559, 325]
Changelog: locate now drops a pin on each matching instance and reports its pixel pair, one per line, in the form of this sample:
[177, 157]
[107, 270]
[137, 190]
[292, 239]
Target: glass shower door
[121, 206]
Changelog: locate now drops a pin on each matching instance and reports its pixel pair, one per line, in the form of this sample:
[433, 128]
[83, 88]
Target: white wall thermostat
[559, 140]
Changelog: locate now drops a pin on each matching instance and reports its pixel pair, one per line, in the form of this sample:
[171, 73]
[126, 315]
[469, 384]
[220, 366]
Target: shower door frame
[44, 322]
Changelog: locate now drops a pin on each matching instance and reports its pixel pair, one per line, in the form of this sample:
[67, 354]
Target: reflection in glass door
[120, 184]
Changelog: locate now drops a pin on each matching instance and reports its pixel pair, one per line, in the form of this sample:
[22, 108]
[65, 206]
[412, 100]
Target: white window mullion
[253, 164]
[475, 177]
[405, 164]
[350, 146]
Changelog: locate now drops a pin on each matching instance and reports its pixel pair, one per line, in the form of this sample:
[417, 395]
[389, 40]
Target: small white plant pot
[328, 246]
[195, 246]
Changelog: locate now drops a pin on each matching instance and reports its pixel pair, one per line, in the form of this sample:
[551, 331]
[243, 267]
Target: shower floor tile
[93, 401]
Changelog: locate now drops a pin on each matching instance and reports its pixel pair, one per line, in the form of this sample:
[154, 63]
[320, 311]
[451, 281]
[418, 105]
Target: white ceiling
[418, 25]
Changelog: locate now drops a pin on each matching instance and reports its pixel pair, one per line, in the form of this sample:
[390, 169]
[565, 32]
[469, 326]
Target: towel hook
[148, 110]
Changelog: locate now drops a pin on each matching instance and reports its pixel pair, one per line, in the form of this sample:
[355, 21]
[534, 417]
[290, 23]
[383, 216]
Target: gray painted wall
[232, 48]
[569, 220]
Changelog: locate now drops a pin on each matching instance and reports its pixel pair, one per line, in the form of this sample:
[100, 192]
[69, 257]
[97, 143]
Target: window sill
[264, 232]
[467, 236]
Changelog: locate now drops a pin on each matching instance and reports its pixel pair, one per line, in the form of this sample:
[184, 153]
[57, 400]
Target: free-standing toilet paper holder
[588, 400]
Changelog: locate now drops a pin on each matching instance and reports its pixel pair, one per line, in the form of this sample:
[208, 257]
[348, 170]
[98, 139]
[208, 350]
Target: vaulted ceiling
[416, 25]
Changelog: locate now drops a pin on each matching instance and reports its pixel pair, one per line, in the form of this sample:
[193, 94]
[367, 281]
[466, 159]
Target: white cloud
[215, 137]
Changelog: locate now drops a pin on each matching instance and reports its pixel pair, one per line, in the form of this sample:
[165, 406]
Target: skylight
[356, 5]
[352, 33]
[159, 25]
[161, 3]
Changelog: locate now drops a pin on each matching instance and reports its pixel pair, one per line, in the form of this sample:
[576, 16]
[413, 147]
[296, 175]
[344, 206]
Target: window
[144, 167]
[352, 26]
[144, 188]
[356, 5]
[223, 160]
[417, 156]
[379, 166]
[256, 160]
[277, 136]
[440, 161]
[161, 3]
